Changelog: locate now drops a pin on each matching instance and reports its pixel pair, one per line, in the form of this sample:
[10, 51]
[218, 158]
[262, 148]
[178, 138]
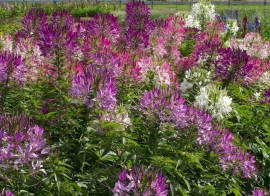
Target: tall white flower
[200, 14]
[232, 26]
[223, 106]
[194, 79]
[202, 99]
[215, 101]
[185, 86]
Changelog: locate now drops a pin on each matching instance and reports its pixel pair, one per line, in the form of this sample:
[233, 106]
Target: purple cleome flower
[168, 106]
[266, 97]
[104, 26]
[259, 192]
[58, 34]
[6, 193]
[232, 64]
[140, 181]
[138, 25]
[12, 68]
[31, 22]
[95, 85]
[21, 143]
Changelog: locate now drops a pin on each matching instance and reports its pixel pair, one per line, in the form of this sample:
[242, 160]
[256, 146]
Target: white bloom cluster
[200, 14]
[195, 78]
[261, 85]
[119, 115]
[232, 26]
[6, 43]
[215, 101]
[264, 81]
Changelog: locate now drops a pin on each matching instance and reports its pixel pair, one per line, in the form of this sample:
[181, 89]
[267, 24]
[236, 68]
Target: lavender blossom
[166, 105]
[259, 192]
[82, 87]
[104, 26]
[140, 181]
[138, 25]
[95, 85]
[31, 22]
[108, 61]
[58, 34]
[106, 95]
[21, 143]
[12, 68]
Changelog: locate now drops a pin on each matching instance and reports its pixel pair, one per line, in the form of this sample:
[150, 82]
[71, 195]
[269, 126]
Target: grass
[251, 10]
[162, 11]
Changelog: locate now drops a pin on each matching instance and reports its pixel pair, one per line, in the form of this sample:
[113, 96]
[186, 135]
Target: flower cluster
[6, 193]
[6, 43]
[231, 158]
[214, 100]
[21, 143]
[138, 25]
[232, 26]
[140, 181]
[94, 84]
[195, 79]
[12, 68]
[168, 106]
[6, 6]
[259, 192]
[200, 14]
[119, 115]
[253, 45]
[164, 75]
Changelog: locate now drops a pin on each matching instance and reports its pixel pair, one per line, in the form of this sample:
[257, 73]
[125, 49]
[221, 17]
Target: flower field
[100, 106]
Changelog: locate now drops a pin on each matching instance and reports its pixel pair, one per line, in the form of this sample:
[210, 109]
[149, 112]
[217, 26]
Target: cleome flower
[21, 143]
[215, 101]
[140, 181]
[200, 14]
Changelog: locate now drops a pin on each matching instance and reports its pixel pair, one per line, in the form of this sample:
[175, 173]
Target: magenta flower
[6, 193]
[266, 99]
[259, 192]
[31, 22]
[140, 181]
[94, 85]
[138, 25]
[58, 34]
[104, 26]
[12, 68]
[21, 143]
[166, 105]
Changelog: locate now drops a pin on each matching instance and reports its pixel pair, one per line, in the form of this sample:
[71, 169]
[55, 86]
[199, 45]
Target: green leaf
[51, 114]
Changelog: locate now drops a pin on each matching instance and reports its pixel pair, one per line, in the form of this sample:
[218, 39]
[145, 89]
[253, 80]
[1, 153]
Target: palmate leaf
[106, 155]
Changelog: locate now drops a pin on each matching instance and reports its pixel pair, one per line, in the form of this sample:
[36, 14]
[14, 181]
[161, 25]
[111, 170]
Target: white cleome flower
[200, 14]
[202, 99]
[185, 86]
[224, 105]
